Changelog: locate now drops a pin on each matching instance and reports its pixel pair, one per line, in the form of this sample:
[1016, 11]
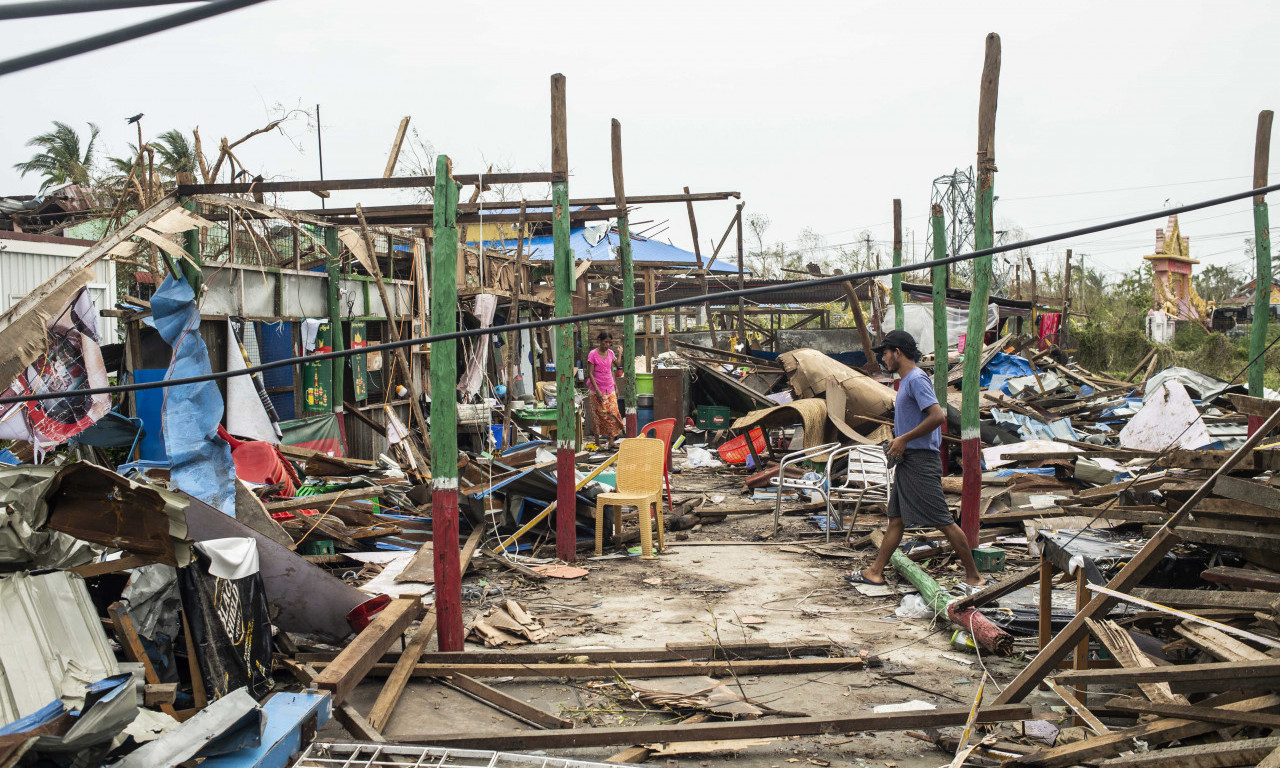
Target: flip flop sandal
[856, 577]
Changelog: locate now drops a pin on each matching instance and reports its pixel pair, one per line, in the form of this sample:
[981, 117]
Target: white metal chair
[868, 480]
[782, 482]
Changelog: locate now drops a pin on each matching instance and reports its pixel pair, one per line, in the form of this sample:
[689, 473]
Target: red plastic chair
[662, 430]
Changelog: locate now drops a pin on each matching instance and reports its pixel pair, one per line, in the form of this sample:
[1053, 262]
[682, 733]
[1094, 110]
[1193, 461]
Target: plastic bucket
[735, 451]
[644, 383]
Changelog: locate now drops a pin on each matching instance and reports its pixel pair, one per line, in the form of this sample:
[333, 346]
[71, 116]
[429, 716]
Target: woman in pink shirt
[604, 391]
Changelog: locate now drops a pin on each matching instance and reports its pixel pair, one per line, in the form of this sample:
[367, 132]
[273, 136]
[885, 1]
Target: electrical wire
[114, 37]
[720, 297]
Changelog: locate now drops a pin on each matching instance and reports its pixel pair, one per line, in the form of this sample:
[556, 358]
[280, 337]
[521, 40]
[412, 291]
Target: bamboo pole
[940, 341]
[332, 268]
[444, 410]
[897, 262]
[567, 415]
[742, 320]
[1262, 249]
[513, 340]
[628, 283]
[971, 443]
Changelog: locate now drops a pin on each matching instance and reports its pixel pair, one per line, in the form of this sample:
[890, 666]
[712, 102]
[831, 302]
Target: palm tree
[60, 159]
[176, 154]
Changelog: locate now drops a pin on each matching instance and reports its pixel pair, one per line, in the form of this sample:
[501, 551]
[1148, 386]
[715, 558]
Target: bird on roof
[135, 118]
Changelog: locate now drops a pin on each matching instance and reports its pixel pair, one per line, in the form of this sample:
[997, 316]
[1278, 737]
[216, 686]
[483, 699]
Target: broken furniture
[782, 481]
[867, 480]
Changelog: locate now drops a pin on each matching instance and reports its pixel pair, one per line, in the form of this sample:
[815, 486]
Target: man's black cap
[898, 340]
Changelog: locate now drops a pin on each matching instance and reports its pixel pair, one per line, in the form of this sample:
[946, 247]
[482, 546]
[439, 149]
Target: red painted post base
[566, 506]
[632, 424]
[971, 491]
[448, 588]
[1254, 423]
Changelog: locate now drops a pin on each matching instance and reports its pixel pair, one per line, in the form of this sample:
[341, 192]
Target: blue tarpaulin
[199, 460]
[1011, 366]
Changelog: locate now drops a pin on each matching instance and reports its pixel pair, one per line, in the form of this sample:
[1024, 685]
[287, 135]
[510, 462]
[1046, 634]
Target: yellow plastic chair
[640, 463]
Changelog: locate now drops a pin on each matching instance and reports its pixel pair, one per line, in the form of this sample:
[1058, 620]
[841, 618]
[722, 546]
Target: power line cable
[37, 8]
[122, 35]
[720, 296]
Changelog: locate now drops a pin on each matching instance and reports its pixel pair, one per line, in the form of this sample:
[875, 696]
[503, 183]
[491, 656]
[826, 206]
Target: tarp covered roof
[541, 248]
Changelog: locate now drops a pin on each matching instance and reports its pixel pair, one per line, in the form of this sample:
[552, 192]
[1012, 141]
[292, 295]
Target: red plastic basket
[735, 451]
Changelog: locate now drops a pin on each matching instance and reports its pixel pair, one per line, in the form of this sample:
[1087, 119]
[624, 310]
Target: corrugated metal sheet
[365, 443]
[25, 266]
[52, 636]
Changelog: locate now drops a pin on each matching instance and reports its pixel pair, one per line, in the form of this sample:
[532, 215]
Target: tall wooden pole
[1262, 249]
[742, 316]
[1066, 301]
[444, 410]
[983, 237]
[628, 283]
[333, 275]
[567, 413]
[897, 262]
[940, 341]
[702, 270]
[513, 338]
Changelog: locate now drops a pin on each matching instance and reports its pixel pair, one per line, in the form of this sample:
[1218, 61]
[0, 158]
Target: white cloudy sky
[819, 113]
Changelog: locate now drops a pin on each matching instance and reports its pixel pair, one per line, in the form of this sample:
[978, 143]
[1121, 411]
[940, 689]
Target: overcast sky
[818, 113]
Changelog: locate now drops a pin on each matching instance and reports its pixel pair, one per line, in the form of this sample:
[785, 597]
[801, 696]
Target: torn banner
[73, 361]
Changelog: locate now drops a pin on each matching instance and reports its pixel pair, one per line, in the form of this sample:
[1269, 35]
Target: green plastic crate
[317, 547]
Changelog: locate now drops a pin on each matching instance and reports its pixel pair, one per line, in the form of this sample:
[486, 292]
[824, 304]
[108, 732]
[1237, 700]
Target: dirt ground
[742, 590]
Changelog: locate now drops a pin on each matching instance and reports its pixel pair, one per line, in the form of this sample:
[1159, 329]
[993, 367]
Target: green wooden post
[897, 262]
[332, 265]
[191, 243]
[628, 284]
[567, 414]
[444, 409]
[1262, 249]
[940, 345]
[983, 237]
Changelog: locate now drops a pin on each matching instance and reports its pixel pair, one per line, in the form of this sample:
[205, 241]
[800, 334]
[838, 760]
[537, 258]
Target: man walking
[916, 500]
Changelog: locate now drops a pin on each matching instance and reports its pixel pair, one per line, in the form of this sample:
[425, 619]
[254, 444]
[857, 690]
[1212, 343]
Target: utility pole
[628, 283]
[567, 413]
[332, 269]
[1262, 250]
[970, 440]
[1066, 300]
[742, 323]
[897, 262]
[444, 410]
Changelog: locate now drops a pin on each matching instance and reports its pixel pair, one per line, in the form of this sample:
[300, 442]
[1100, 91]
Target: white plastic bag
[700, 457]
[913, 607]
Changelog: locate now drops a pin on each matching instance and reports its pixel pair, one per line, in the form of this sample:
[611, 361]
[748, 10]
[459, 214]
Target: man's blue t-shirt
[915, 395]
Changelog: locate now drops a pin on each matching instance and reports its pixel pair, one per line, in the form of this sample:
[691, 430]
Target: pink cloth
[602, 370]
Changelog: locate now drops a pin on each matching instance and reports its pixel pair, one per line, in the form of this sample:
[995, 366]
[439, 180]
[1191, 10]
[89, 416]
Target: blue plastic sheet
[1010, 366]
[199, 460]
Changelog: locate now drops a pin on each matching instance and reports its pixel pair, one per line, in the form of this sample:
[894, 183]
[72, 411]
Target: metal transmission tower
[955, 193]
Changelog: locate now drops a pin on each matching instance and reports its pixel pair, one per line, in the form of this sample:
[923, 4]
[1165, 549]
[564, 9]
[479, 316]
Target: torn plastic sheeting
[1031, 429]
[87, 729]
[233, 722]
[1009, 366]
[1167, 419]
[1002, 455]
[200, 461]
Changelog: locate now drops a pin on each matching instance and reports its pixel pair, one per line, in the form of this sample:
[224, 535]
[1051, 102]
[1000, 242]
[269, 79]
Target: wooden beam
[350, 718]
[1124, 650]
[1204, 598]
[89, 570]
[1079, 709]
[131, 644]
[630, 670]
[394, 156]
[1218, 755]
[997, 589]
[389, 696]
[669, 652]
[1186, 712]
[1218, 644]
[682, 732]
[505, 703]
[335, 185]
[322, 500]
[1226, 673]
[1242, 577]
[1248, 491]
[358, 658]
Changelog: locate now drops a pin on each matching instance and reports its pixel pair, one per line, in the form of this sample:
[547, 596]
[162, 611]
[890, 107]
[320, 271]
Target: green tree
[1216, 283]
[175, 153]
[63, 158]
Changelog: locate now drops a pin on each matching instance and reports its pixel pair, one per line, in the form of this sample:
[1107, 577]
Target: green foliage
[1189, 336]
[1215, 283]
[1100, 348]
[61, 158]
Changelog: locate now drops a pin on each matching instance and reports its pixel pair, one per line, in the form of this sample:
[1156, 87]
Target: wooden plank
[1124, 650]
[1204, 598]
[631, 670]
[355, 661]
[322, 500]
[198, 693]
[1243, 577]
[392, 689]
[131, 645]
[1186, 712]
[996, 590]
[1218, 755]
[1154, 733]
[1218, 644]
[344, 713]
[1253, 406]
[506, 703]
[335, 185]
[89, 570]
[669, 652]
[394, 155]
[1226, 673]
[526, 740]
[1079, 709]
[1269, 542]
[1248, 491]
